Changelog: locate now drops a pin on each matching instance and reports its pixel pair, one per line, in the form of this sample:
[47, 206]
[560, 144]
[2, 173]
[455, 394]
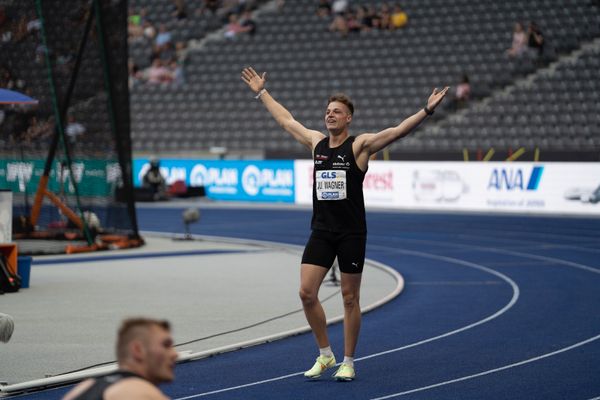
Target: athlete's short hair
[342, 98]
[136, 328]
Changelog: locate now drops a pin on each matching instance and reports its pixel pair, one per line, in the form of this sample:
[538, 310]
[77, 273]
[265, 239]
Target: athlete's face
[160, 355]
[337, 117]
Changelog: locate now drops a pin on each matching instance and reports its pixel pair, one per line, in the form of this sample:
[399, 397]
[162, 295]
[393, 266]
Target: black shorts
[323, 247]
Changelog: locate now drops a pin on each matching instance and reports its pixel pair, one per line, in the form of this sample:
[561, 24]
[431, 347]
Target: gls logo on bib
[331, 185]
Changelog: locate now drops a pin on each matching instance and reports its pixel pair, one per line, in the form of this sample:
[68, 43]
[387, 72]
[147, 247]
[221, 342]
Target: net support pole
[58, 133]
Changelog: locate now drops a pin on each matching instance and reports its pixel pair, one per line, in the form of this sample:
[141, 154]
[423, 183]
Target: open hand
[253, 80]
[436, 97]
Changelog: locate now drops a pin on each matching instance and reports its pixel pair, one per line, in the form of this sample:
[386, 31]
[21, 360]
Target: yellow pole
[386, 154]
[516, 154]
[465, 154]
[489, 154]
[536, 155]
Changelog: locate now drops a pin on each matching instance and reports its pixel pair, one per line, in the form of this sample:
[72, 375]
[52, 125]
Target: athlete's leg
[311, 277]
[352, 316]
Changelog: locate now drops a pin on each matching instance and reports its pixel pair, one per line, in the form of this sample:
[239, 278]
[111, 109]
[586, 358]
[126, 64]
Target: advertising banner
[561, 188]
[94, 177]
[262, 181]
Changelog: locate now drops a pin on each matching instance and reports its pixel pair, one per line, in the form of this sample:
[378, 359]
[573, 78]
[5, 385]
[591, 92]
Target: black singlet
[96, 391]
[338, 202]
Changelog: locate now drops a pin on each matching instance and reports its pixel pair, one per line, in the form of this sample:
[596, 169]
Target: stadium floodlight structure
[76, 151]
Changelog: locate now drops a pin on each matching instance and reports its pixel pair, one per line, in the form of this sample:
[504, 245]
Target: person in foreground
[146, 358]
[338, 222]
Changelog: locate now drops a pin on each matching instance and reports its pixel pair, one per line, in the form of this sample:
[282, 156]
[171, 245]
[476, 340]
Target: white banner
[560, 188]
[5, 216]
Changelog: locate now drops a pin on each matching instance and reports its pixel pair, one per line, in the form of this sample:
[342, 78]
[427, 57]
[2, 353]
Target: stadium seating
[388, 74]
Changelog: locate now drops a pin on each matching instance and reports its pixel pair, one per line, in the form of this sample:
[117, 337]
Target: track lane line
[491, 371]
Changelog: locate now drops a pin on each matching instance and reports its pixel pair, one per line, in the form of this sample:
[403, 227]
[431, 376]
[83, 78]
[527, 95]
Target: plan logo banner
[262, 181]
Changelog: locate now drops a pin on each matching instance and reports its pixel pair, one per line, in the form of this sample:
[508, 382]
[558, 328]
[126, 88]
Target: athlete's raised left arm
[370, 143]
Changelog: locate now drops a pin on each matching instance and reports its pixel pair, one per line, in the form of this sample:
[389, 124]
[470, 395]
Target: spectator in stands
[210, 6]
[398, 18]
[177, 71]
[339, 226]
[163, 38]
[354, 21]
[149, 30]
[154, 180]
[3, 17]
[372, 17]
[519, 41]
[158, 73]
[462, 93]
[248, 24]
[339, 24]
[233, 28]
[324, 9]
[535, 41]
[135, 30]
[364, 17]
[74, 130]
[385, 17]
[146, 358]
[181, 51]
[135, 75]
[180, 11]
[339, 7]
[167, 52]
[38, 131]
[237, 26]
[34, 24]
[6, 79]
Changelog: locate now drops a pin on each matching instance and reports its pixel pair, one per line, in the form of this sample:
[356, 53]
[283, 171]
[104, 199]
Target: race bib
[331, 184]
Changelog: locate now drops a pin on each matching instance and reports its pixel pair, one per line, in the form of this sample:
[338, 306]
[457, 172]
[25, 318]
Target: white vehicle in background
[585, 195]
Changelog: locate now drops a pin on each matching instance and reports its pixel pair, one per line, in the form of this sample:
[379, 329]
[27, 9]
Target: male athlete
[338, 222]
[146, 358]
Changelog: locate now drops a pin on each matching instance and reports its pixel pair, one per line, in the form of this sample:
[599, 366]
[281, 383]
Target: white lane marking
[501, 251]
[239, 386]
[491, 371]
[520, 254]
[511, 303]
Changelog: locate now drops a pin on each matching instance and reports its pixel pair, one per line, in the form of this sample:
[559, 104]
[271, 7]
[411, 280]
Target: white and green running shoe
[322, 363]
[345, 373]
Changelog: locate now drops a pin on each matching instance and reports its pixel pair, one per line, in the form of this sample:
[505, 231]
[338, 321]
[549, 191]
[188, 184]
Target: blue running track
[494, 307]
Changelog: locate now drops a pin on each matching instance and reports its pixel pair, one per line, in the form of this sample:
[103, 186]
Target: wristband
[428, 111]
[260, 93]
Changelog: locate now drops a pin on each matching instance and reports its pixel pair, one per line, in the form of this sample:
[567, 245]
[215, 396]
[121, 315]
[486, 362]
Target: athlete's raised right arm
[307, 137]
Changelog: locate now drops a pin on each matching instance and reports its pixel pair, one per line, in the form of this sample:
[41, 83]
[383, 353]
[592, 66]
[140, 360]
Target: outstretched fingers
[248, 74]
[251, 77]
[442, 92]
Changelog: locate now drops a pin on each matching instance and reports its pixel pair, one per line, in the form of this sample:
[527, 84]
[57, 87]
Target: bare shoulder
[132, 389]
[317, 137]
[79, 389]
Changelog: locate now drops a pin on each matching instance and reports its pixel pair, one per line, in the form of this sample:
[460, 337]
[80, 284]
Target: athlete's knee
[308, 296]
[351, 299]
